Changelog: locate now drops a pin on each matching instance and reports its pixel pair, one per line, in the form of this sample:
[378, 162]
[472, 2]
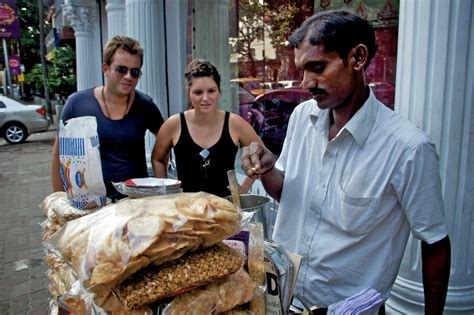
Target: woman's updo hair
[199, 68]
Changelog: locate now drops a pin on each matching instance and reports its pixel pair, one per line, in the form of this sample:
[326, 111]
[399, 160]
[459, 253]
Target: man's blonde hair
[128, 44]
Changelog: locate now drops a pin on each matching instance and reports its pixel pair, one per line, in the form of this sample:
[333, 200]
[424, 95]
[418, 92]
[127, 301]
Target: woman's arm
[244, 133]
[163, 144]
[246, 184]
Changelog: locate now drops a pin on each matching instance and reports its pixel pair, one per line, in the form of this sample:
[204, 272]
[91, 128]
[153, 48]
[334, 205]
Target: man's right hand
[257, 160]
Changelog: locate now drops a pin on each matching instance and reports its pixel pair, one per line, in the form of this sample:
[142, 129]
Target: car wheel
[15, 133]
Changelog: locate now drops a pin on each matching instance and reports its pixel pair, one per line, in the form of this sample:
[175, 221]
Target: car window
[245, 96]
[2, 105]
[252, 85]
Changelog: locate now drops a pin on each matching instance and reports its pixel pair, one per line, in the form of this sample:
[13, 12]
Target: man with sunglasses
[123, 115]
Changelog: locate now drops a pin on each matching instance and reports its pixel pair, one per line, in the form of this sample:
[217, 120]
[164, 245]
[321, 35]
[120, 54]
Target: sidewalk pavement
[24, 181]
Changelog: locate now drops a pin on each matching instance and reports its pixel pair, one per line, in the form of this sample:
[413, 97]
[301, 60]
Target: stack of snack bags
[59, 210]
[62, 279]
[282, 270]
[138, 252]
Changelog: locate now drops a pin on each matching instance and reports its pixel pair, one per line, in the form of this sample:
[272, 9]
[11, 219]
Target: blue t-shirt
[122, 142]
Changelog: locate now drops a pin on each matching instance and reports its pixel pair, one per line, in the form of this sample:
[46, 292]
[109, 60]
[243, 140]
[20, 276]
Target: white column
[176, 17]
[83, 18]
[145, 23]
[211, 40]
[435, 71]
[116, 21]
[84, 60]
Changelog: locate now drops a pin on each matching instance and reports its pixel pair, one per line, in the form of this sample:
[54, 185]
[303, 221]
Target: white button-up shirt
[348, 204]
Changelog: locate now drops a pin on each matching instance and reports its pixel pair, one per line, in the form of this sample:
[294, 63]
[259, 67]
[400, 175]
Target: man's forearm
[436, 259]
[273, 183]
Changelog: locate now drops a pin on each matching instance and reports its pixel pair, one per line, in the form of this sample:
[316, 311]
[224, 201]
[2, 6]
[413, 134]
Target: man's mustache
[317, 91]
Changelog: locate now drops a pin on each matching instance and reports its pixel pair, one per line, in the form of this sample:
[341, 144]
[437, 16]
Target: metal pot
[262, 207]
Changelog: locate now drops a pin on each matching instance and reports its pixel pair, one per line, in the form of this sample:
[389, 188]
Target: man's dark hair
[338, 31]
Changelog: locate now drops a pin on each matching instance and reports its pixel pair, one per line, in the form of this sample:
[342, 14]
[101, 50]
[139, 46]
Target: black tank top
[199, 171]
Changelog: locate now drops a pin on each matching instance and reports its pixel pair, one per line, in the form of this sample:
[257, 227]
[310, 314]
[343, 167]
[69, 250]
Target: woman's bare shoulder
[174, 120]
[171, 125]
[241, 131]
[237, 119]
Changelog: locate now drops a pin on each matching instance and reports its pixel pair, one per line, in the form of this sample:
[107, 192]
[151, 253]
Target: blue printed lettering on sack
[79, 204]
[83, 203]
[94, 141]
[80, 164]
[72, 146]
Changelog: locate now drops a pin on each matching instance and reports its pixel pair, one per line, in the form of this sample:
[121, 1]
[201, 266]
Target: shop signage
[14, 62]
[9, 25]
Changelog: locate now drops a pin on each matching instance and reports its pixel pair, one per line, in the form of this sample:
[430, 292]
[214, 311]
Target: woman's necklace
[107, 107]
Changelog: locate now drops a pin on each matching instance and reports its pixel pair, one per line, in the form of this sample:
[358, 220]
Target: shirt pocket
[354, 215]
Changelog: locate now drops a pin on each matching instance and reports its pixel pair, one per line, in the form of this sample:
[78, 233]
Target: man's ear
[358, 57]
[104, 67]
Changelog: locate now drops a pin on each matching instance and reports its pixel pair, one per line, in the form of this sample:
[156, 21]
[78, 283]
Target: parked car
[245, 99]
[19, 121]
[290, 83]
[253, 85]
[272, 86]
[270, 114]
[385, 92]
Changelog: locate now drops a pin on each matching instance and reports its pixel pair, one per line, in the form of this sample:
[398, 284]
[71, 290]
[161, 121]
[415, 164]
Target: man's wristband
[267, 171]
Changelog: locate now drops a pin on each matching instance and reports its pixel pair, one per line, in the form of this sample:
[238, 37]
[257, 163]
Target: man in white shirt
[354, 178]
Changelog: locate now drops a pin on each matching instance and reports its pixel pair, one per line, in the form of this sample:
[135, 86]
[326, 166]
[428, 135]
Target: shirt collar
[358, 126]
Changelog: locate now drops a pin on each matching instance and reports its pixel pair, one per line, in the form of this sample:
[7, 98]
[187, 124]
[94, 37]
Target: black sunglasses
[134, 72]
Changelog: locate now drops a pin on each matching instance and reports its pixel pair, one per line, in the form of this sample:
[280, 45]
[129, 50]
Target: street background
[24, 181]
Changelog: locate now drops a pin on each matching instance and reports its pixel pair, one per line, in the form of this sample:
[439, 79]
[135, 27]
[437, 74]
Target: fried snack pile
[58, 211]
[124, 256]
[60, 275]
[61, 278]
[106, 247]
[176, 277]
[256, 266]
[216, 297]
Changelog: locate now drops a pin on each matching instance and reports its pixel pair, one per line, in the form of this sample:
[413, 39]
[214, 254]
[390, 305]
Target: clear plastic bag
[177, 277]
[59, 210]
[217, 297]
[108, 246]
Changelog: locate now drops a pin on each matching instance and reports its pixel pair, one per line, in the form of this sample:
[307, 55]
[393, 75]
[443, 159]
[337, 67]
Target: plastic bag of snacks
[80, 165]
[106, 247]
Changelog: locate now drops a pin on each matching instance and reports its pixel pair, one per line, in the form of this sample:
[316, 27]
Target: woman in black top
[205, 139]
